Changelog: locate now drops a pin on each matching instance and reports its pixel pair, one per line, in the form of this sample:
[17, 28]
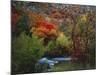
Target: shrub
[26, 51]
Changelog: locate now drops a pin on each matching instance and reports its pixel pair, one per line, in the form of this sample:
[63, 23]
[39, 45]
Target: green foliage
[26, 51]
[63, 41]
[22, 25]
[51, 45]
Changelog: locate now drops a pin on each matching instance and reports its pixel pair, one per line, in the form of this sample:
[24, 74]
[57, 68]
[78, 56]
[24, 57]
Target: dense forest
[52, 30]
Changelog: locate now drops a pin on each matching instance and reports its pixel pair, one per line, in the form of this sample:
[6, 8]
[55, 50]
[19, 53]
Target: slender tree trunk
[76, 41]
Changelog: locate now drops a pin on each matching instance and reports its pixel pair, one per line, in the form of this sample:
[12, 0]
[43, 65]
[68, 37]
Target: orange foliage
[45, 29]
[34, 17]
[40, 26]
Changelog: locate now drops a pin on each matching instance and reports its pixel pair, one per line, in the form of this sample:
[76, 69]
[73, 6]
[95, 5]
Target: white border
[83, 2]
[5, 37]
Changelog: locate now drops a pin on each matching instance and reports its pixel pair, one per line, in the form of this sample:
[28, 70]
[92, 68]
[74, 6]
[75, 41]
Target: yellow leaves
[62, 40]
[61, 34]
[84, 17]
